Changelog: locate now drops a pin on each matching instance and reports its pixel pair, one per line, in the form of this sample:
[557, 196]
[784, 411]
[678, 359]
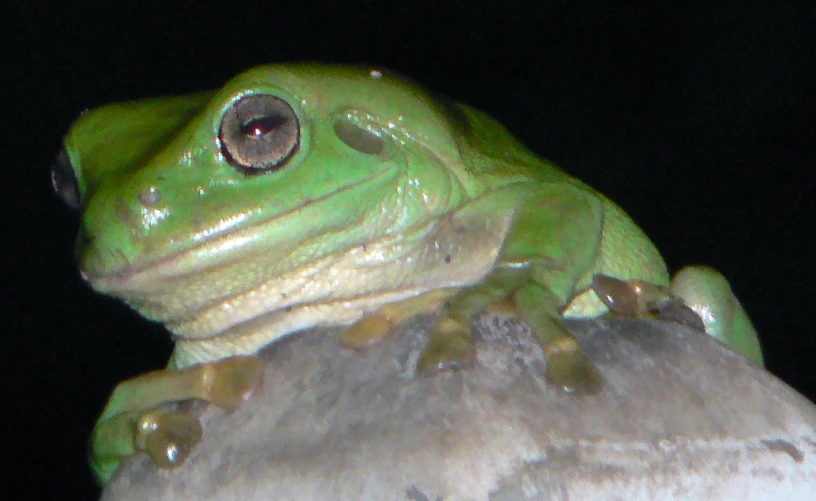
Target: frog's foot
[137, 419]
[450, 347]
[368, 331]
[374, 327]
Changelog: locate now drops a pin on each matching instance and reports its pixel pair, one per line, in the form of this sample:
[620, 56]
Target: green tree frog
[313, 195]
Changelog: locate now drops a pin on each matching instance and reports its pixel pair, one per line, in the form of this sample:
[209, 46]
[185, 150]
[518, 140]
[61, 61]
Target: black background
[698, 121]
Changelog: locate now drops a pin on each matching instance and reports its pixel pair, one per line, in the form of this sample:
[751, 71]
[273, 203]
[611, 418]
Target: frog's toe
[450, 347]
[369, 330]
[616, 294]
[171, 438]
[230, 381]
[631, 298]
[569, 369]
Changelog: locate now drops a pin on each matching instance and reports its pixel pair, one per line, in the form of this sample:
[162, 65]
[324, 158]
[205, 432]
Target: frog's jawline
[199, 257]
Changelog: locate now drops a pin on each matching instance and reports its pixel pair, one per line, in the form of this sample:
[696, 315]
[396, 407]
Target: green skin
[308, 195]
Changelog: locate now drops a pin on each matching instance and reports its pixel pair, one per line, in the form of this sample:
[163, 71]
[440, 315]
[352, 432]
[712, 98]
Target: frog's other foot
[569, 369]
[376, 325]
[168, 437]
[450, 347]
[139, 415]
[368, 331]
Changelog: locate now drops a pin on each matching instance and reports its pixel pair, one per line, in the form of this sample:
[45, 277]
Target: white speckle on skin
[151, 217]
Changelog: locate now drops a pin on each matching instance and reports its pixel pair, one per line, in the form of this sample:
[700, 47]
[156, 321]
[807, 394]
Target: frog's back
[495, 155]
[497, 158]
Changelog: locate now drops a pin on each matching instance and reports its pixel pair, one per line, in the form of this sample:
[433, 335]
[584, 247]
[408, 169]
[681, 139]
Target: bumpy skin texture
[306, 195]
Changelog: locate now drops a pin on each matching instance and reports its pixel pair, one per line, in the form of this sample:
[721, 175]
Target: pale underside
[341, 288]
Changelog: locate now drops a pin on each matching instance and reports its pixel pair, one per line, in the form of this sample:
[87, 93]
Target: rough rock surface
[680, 417]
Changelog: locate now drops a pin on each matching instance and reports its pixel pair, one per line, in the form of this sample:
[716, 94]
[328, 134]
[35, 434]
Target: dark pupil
[261, 126]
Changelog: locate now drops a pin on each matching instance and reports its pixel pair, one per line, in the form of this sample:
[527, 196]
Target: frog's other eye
[259, 133]
[362, 140]
[64, 180]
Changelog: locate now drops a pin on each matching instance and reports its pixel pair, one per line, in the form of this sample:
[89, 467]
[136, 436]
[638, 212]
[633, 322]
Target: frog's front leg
[553, 240]
[703, 290]
[137, 418]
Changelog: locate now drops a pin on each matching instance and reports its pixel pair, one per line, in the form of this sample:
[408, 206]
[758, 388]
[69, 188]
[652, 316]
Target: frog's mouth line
[209, 253]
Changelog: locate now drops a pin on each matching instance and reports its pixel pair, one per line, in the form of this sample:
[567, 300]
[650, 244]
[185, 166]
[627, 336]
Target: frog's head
[190, 199]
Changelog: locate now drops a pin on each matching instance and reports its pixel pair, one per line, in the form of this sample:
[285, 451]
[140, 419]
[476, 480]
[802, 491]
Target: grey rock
[680, 417]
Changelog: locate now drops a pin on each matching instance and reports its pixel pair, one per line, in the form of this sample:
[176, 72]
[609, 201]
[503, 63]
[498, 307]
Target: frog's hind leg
[708, 293]
[706, 300]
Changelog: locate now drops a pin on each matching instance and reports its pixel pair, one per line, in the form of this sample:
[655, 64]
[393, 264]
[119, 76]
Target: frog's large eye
[64, 180]
[259, 133]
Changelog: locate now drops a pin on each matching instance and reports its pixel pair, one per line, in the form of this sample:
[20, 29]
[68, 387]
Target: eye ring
[259, 133]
